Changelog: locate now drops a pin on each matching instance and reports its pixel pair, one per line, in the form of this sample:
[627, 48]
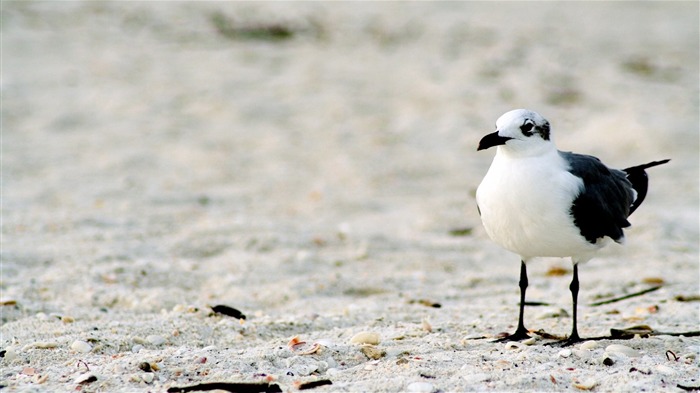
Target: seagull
[537, 201]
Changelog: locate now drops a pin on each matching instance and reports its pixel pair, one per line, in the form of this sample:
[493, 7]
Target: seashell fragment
[365, 338]
[588, 345]
[81, 346]
[622, 350]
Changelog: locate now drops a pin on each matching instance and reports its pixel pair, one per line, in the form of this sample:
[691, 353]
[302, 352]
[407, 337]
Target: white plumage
[525, 204]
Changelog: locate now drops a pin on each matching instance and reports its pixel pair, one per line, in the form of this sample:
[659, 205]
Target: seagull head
[520, 130]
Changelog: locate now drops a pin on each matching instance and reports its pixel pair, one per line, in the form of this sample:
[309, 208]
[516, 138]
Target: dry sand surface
[313, 165]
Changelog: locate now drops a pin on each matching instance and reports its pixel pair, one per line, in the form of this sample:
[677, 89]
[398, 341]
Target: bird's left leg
[574, 337]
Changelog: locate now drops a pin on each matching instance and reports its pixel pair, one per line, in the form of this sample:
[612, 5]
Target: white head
[520, 131]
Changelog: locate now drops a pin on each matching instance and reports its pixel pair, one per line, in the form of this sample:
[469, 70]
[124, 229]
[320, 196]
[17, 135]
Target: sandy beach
[313, 166]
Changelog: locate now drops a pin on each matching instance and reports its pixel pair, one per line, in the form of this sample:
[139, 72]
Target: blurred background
[268, 153]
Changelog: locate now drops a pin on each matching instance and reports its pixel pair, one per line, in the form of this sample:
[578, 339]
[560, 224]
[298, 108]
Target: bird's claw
[519, 335]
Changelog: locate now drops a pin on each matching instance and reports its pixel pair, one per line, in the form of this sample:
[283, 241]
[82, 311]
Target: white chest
[525, 206]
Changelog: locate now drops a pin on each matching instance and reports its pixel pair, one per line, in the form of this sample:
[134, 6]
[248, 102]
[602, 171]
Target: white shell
[81, 346]
[622, 350]
[420, 387]
[588, 345]
[365, 338]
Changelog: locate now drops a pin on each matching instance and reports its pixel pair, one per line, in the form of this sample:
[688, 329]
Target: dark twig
[229, 387]
[537, 304]
[688, 388]
[85, 364]
[314, 384]
[631, 295]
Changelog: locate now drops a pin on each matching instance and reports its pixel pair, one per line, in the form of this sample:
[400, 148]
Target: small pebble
[565, 353]
[666, 370]
[148, 377]
[365, 338]
[10, 354]
[139, 340]
[85, 378]
[156, 339]
[136, 348]
[608, 362]
[372, 352]
[420, 387]
[530, 341]
[67, 319]
[81, 346]
[585, 385]
[622, 350]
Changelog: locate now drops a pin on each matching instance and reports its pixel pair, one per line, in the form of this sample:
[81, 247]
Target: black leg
[521, 331]
[574, 337]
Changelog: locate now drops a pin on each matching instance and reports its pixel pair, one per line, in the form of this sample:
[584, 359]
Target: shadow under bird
[537, 201]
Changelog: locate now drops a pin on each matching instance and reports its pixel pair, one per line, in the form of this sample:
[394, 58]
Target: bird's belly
[529, 213]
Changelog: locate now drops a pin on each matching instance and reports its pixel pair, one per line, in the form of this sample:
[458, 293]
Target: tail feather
[640, 182]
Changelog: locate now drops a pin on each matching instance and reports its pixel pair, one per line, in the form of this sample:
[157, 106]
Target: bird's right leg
[521, 331]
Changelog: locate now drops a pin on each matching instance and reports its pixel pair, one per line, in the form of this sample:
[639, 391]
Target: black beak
[491, 140]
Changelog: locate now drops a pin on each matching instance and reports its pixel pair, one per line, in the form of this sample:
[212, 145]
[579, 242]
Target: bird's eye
[526, 127]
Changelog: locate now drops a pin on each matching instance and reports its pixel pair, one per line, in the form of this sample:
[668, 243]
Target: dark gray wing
[604, 204]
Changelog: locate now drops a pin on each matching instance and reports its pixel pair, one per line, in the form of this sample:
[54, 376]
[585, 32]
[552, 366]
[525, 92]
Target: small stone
[145, 366]
[85, 378]
[666, 370]
[136, 348]
[10, 354]
[608, 362]
[530, 341]
[365, 338]
[29, 371]
[81, 346]
[372, 352]
[565, 353]
[420, 387]
[67, 319]
[156, 339]
[585, 385]
[139, 340]
[622, 350]
[147, 377]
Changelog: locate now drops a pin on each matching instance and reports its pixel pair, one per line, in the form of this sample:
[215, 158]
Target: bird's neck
[516, 152]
